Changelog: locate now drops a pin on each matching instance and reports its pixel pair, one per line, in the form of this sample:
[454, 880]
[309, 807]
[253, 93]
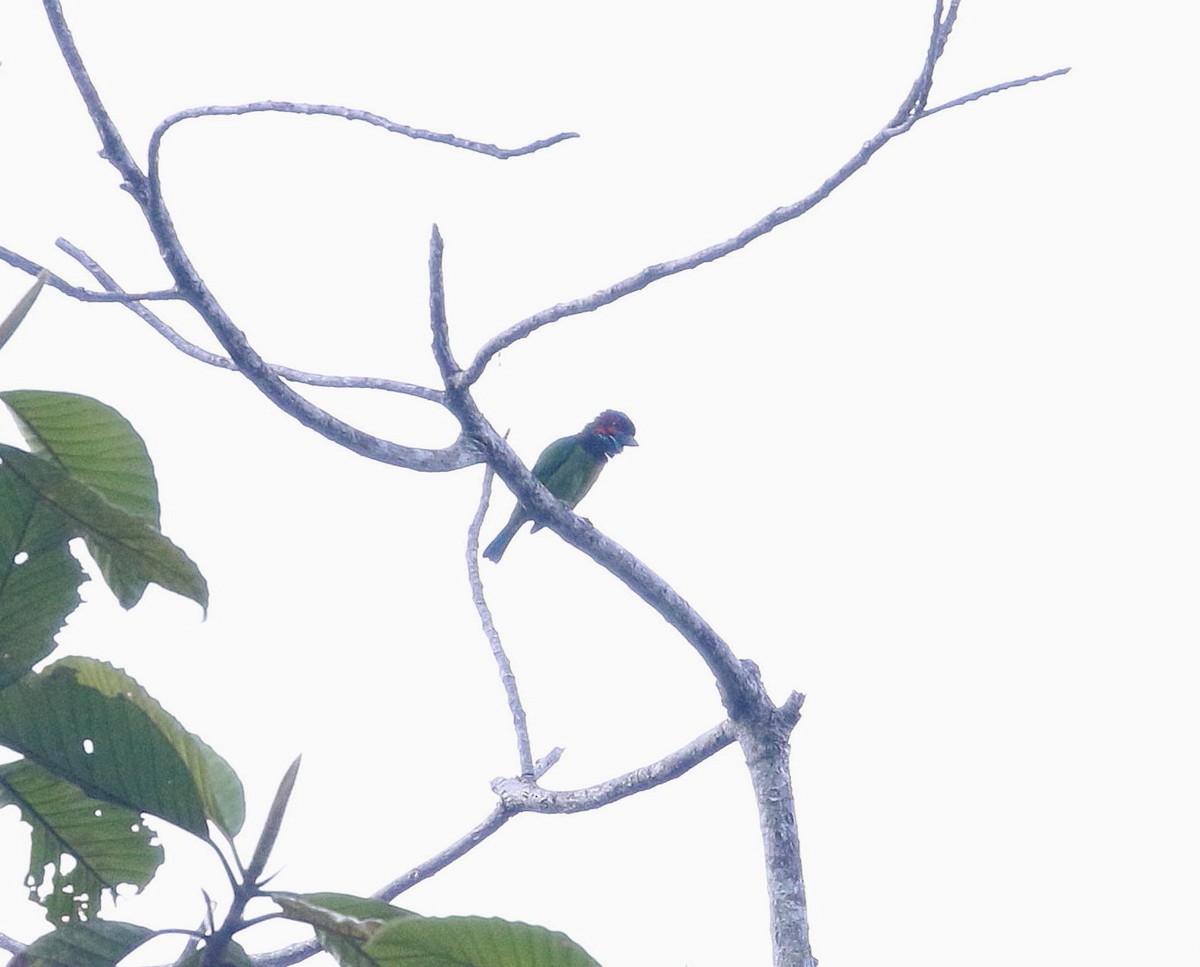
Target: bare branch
[193, 290]
[18, 261]
[224, 362]
[114, 150]
[442, 353]
[495, 819]
[994, 89]
[507, 678]
[337, 111]
[739, 690]
[525, 795]
[911, 110]
[460, 847]
[911, 107]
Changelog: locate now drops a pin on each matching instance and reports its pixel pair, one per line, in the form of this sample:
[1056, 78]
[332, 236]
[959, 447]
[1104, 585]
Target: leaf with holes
[139, 548]
[108, 844]
[94, 726]
[39, 578]
[100, 943]
[98, 447]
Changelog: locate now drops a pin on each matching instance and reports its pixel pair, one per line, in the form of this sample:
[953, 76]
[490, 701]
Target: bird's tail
[495, 550]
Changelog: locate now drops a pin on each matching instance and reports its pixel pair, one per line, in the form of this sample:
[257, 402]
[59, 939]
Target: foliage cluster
[100, 754]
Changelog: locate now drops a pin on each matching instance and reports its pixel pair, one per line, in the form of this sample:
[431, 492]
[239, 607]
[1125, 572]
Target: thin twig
[994, 89]
[338, 111]
[460, 847]
[507, 678]
[224, 362]
[18, 261]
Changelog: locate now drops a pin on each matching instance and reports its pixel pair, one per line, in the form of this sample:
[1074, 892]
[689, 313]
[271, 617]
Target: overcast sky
[927, 455]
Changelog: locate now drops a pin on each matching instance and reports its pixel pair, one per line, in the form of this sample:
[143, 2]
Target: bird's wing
[553, 457]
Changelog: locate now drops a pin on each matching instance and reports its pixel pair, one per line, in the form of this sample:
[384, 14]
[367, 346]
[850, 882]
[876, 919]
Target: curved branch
[346, 113]
[911, 110]
[193, 290]
[740, 689]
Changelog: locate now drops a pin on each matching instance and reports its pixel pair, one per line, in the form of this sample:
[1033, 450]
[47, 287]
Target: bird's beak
[626, 440]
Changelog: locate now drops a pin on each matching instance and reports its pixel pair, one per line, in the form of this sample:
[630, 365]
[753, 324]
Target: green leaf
[273, 824]
[139, 547]
[94, 726]
[109, 844]
[234, 955]
[353, 916]
[99, 943]
[343, 923]
[362, 932]
[37, 594]
[98, 447]
[472, 942]
[93, 442]
[14, 318]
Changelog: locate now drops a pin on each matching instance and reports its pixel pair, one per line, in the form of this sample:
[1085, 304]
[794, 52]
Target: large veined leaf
[234, 955]
[39, 578]
[139, 548]
[94, 726]
[98, 447]
[100, 943]
[108, 844]
[91, 440]
[473, 942]
[369, 933]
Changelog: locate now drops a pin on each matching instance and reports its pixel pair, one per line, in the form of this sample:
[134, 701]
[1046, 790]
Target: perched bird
[569, 467]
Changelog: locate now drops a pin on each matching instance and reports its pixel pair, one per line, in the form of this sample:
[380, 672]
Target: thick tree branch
[738, 692]
[761, 728]
[192, 289]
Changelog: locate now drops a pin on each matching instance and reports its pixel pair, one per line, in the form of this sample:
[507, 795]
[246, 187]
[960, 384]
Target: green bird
[569, 467]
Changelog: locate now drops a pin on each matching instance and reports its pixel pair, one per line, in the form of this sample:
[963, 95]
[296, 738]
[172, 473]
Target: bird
[568, 467]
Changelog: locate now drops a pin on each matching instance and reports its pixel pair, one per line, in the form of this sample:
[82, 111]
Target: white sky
[927, 455]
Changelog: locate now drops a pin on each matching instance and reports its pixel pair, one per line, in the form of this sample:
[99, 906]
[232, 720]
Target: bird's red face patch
[612, 423]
